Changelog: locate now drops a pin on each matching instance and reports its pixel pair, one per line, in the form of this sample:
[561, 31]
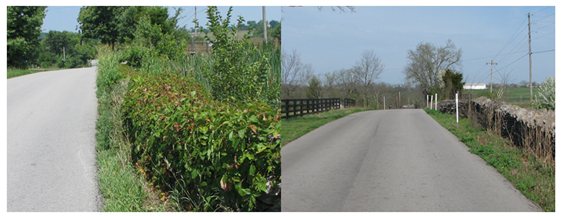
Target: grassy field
[293, 128]
[13, 72]
[534, 178]
[515, 96]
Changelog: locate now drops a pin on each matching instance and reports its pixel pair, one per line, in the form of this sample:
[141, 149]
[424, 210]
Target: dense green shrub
[237, 76]
[212, 155]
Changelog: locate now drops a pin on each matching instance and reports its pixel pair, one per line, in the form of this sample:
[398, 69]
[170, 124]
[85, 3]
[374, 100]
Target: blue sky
[331, 40]
[63, 18]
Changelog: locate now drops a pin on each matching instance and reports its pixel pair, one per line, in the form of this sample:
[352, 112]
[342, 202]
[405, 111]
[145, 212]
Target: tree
[348, 81]
[274, 23]
[276, 33]
[23, 30]
[368, 70]
[314, 90]
[453, 83]
[235, 76]
[329, 83]
[101, 22]
[293, 73]
[78, 50]
[426, 62]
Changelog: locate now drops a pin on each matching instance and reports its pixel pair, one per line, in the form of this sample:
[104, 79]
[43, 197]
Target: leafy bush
[235, 75]
[211, 155]
[545, 97]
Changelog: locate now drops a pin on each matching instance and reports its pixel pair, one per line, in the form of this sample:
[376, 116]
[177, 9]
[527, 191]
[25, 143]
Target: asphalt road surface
[391, 160]
[51, 141]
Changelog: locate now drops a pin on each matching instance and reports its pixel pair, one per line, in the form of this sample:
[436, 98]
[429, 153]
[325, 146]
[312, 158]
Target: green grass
[14, 72]
[122, 188]
[534, 178]
[514, 96]
[293, 128]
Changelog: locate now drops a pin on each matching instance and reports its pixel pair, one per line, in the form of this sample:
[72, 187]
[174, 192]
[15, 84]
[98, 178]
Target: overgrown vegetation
[122, 188]
[293, 128]
[201, 130]
[28, 47]
[15, 72]
[545, 96]
[210, 155]
[23, 30]
[534, 178]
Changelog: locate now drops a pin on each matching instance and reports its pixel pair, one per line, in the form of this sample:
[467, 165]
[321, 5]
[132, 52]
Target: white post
[436, 101]
[431, 99]
[456, 111]
[426, 101]
[383, 102]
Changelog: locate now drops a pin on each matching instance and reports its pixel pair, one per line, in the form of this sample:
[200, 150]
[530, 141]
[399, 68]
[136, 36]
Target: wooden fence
[349, 102]
[198, 47]
[299, 107]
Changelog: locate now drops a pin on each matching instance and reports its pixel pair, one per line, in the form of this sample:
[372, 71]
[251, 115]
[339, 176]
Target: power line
[545, 26]
[517, 45]
[188, 19]
[514, 61]
[544, 35]
[511, 39]
[541, 9]
[544, 17]
[493, 56]
[553, 50]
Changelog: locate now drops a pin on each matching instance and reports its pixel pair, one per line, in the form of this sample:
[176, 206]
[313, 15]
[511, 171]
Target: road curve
[51, 142]
[391, 160]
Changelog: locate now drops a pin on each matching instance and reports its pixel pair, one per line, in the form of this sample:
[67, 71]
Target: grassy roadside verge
[293, 128]
[534, 179]
[123, 190]
[13, 72]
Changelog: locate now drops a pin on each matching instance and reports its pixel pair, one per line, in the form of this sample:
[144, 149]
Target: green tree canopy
[314, 90]
[78, 50]
[100, 22]
[452, 83]
[23, 30]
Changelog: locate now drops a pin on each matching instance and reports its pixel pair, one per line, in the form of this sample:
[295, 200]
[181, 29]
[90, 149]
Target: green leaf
[242, 132]
[252, 170]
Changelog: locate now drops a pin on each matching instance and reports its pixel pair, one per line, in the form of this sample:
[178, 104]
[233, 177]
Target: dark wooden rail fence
[299, 107]
[349, 102]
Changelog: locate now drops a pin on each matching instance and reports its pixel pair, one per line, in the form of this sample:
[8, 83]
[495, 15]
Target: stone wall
[531, 130]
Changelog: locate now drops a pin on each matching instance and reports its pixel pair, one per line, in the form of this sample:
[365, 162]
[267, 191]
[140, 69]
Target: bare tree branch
[293, 73]
[427, 62]
[368, 70]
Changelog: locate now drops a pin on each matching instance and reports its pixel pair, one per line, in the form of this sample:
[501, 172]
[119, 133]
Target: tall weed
[545, 97]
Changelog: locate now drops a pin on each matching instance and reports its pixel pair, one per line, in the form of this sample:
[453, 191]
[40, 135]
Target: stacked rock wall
[531, 130]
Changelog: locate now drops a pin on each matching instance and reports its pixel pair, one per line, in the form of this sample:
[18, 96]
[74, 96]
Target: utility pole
[265, 24]
[195, 33]
[491, 63]
[399, 100]
[64, 57]
[530, 54]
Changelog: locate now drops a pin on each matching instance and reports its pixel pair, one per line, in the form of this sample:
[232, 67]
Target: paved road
[391, 160]
[51, 141]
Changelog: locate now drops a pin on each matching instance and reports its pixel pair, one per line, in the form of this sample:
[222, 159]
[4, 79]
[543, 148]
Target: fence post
[436, 101]
[456, 111]
[431, 100]
[426, 101]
